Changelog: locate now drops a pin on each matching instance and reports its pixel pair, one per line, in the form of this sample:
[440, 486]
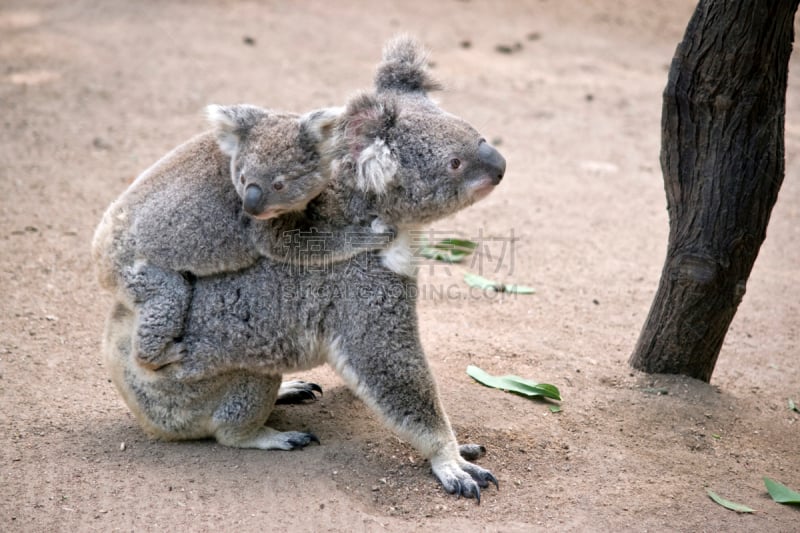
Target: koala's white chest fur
[399, 257]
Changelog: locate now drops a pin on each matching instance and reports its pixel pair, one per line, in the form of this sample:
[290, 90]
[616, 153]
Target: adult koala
[393, 154]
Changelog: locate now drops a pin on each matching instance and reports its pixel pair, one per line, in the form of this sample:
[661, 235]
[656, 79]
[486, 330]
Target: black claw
[290, 398]
[483, 479]
[307, 394]
[467, 488]
[300, 395]
[470, 491]
[481, 476]
[314, 438]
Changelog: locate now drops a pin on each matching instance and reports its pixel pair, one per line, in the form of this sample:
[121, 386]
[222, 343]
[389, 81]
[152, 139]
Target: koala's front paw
[462, 478]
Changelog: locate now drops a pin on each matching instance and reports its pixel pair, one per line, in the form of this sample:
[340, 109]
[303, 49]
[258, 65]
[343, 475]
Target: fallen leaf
[449, 250]
[781, 493]
[733, 506]
[514, 384]
[479, 282]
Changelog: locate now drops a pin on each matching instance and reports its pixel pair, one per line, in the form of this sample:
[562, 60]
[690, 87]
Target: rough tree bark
[722, 155]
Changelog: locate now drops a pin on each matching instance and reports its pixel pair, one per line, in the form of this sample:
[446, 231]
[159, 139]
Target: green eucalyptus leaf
[781, 493]
[514, 384]
[474, 280]
[449, 250]
[520, 289]
[733, 506]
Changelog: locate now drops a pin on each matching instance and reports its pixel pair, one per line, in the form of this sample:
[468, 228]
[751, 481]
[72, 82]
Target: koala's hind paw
[296, 439]
[471, 452]
[297, 392]
[464, 479]
[265, 438]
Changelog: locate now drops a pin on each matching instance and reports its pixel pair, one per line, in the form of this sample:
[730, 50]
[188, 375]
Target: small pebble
[508, 49]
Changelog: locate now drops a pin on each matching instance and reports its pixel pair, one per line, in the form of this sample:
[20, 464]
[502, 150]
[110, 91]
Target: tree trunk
[723, 164]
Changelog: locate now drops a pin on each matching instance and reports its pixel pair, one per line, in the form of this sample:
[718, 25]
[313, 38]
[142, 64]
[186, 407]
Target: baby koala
[274, 157]
[209, 207]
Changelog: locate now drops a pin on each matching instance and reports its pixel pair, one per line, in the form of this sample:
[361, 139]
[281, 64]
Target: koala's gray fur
[185, 216]
[391, 154]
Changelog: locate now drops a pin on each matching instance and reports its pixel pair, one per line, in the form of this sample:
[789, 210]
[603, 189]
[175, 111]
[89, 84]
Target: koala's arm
[379, 355]
[294, 238]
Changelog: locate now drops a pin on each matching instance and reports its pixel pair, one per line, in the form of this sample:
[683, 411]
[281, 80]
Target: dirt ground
[92, 92]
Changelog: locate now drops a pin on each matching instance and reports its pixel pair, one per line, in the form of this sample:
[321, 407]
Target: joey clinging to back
[183, 217]
[412, 161]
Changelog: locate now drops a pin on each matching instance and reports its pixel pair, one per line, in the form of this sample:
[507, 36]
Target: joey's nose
[252, 199]
[494, 162]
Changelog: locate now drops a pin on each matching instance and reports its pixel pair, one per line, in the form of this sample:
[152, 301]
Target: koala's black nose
[491, 158]
[252, 199]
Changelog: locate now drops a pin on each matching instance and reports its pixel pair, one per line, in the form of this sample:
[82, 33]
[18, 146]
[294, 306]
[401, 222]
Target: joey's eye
[455, 163]
[241, 178]
[278, 185]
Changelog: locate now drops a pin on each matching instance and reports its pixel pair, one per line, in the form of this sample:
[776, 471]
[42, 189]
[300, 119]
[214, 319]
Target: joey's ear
[404, 68]
[318, 126]
[365, 126]
[232, 124]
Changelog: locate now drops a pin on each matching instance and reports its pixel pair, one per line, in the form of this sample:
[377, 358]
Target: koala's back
[181, 214]
[283, 317]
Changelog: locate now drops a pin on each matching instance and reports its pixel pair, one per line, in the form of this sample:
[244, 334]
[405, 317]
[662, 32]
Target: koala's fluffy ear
[232, 124]
[364, 125]
[318, 126]
[404, 68]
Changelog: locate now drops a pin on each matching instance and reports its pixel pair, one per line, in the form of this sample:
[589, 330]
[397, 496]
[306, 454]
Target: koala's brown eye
[241, 178]
[277, 185]
[455, 163]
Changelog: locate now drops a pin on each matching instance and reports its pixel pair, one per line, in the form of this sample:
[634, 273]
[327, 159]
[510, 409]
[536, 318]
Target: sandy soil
[92, 92]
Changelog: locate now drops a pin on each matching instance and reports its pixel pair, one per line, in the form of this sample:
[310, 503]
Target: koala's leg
[397, 383]
[239, 418]
[161, 298]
